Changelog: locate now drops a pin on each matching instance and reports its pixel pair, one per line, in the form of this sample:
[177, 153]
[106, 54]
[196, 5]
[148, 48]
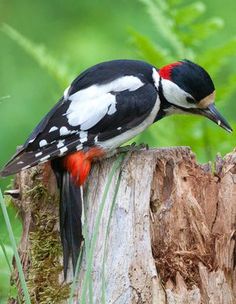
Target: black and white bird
[104, 107]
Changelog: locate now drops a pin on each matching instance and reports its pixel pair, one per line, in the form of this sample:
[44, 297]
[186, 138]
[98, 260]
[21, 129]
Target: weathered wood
[168, 238]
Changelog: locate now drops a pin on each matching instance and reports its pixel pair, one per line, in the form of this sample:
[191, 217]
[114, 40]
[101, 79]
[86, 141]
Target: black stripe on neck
[164, 104]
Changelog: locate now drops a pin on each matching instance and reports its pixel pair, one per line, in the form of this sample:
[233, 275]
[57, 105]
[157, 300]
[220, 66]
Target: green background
[78, 34]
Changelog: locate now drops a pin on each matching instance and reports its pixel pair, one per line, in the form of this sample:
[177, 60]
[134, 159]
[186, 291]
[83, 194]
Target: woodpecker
[104, 107]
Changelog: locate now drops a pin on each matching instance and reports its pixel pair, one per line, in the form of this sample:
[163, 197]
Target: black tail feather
[70, 216]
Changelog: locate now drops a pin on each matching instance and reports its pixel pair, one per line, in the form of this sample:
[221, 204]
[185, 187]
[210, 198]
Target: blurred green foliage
[53, 41]
[5, 288]
[185, 33]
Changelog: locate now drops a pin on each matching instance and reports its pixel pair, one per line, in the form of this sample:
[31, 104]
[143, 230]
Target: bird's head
[185, 87]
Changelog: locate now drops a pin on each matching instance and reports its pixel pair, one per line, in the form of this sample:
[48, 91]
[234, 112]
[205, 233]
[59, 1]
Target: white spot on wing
[43, 159]
[63, 150]
[83, 136]
[96, 139]
[54, 128]
[38, 154]
[42, 143]
[60, 143]
[26, 167]
[30, 141]
[79, 147]
[20, 162]
[119, 128]
[64, 131]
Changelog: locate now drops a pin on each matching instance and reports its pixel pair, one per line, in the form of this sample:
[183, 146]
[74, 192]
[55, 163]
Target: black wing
[79, 121]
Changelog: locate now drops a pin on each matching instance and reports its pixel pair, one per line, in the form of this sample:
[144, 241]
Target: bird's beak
[212, 113]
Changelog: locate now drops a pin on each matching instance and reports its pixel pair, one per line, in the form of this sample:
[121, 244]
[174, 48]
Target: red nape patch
[79, 164]
[165, 72]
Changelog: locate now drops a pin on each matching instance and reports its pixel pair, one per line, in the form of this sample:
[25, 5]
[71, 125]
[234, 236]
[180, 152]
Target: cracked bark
[171, 236]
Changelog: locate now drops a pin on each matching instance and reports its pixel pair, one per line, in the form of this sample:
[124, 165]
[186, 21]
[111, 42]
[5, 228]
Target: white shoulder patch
[90, 105]
[123, 83]
[87, 113]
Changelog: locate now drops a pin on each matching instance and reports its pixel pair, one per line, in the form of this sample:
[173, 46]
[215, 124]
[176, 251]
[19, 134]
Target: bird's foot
[131, 148]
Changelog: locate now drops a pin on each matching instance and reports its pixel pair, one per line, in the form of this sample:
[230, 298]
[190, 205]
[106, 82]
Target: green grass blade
[90, 255]
[13, 243]
[78, 264]
[87, 246]
[103, 300]
[5, 255]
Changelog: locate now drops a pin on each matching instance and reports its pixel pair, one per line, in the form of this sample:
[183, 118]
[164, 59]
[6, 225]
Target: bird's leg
[129, 150]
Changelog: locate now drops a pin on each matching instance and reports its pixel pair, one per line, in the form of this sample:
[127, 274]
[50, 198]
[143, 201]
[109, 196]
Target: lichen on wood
[40, 246]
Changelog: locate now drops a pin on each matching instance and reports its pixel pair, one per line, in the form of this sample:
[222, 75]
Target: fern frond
[165, 26]
[188, 14]
[149, 51]
[215, 58]
[56, 69]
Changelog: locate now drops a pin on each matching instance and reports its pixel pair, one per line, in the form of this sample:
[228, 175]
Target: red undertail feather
[79, 163]
[165, 72]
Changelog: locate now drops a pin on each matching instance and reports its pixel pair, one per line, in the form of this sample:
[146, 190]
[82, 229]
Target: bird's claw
[133, 147]
[129, 149]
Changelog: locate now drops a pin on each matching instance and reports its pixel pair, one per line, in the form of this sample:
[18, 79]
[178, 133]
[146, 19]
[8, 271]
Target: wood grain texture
[168, 237]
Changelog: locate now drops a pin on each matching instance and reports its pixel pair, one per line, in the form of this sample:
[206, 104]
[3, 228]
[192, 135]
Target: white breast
[126, 136]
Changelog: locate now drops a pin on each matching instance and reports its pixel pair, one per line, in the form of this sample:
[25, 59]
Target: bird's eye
[190, 99]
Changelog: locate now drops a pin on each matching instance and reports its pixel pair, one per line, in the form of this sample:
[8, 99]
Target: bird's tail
[70, 216]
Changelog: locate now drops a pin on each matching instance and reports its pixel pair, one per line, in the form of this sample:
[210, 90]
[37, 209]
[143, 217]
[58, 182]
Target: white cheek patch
[175, 95]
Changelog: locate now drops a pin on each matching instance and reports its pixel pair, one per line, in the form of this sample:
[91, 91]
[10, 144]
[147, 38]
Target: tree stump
[164, 232]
